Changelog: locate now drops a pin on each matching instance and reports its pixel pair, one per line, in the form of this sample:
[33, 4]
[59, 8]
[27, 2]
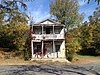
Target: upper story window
[37, 30]
[48, 30]
[57, 30]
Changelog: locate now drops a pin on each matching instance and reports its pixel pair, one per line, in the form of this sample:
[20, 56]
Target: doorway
[47, 30]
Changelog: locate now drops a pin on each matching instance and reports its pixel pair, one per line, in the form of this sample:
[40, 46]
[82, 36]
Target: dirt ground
[17, 61]
[86, 59]
[80, 66]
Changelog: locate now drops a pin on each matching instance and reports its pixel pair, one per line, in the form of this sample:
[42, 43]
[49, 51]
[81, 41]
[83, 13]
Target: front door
[57, 49]
[47, 30]
[38, 48]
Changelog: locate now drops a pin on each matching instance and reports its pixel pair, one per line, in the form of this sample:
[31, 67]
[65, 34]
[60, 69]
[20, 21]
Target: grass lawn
[84, 59]
[79, 59]
[87, 56]
[19, 62]
[34, 62]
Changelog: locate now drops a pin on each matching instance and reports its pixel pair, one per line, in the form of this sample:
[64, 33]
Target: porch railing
[48, 36]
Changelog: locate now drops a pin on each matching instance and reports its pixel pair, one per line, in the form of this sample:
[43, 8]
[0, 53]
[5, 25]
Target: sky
[40, 9]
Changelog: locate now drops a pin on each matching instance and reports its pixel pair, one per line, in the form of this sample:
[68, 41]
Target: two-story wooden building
[48, 40]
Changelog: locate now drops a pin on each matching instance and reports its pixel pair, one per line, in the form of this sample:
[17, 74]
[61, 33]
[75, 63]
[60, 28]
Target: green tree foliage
[72, 45]
[90, 34]
[11, 17]
[96, 33]
[14, 31]
[13, 37]
[65, 11]
[87, 39]
[97, 39]
[84, 39]
[9, 6]
[10, 11]
[90, 31]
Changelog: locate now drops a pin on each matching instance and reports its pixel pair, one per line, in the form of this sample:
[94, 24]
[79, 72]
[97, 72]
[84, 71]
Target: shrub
[70, 56]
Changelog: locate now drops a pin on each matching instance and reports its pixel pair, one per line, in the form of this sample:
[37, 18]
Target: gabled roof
[49, 22]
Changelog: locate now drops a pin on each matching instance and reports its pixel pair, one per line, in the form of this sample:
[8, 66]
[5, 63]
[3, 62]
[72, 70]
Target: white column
[42, 29]
[53, 43]
[32, 49]
[42, 41]
[42, 49]
[53, 48]
[53, 30]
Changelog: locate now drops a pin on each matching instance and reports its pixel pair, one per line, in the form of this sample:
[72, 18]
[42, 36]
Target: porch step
[52, 59]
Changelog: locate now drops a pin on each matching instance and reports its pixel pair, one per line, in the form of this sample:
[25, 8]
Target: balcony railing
[48, 36]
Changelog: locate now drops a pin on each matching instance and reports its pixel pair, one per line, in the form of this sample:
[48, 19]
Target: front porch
[48, 49]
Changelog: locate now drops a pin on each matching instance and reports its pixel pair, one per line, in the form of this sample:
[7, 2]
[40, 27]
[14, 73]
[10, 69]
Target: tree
[14, 37]
[96, 39]
[65, 11]
[10, 9]
[13, 25]
[90, 32]
[94, 20]
[96, 33]
[14, 32]
[10, 5]
[95, 1]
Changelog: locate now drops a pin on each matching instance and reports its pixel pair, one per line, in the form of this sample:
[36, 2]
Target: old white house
[48, 40]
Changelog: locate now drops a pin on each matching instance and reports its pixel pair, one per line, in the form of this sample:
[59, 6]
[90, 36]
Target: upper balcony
[47, 36]
[48, 32]
[48, 29]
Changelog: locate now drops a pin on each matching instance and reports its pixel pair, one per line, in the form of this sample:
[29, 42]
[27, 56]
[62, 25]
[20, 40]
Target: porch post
[32, 49]
[53, 42]
[42, 29]
[42, 48]
[53, 30]
[53, 48]
[42, 41]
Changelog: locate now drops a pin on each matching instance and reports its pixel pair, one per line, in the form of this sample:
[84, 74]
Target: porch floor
[51, 59]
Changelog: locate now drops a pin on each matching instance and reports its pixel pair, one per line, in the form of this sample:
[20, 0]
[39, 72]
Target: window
[57, 30]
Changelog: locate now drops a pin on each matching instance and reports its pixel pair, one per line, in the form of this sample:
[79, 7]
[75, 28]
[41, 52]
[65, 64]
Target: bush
[72, 46]
[70, 56]
[27, 55]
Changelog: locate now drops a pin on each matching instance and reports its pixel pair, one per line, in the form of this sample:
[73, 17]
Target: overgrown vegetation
[14, 31]
[87, 36]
